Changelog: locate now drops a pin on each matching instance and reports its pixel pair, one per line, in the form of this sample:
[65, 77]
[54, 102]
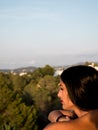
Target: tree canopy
[25, 101]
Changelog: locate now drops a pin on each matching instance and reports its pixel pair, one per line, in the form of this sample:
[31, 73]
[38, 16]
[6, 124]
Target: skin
[87, 120]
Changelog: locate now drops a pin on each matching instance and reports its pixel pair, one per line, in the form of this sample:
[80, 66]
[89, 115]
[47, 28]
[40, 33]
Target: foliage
[25, 101]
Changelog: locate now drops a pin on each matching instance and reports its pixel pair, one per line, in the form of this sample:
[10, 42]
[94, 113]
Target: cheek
[65, 96]
[65, 99]
[67, 102]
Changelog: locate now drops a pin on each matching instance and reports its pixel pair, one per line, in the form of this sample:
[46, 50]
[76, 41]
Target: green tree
[19, 116]
[47, 70]
[5, 80]
[18, 82]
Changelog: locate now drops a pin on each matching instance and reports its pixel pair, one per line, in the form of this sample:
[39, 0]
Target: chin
[64, 107]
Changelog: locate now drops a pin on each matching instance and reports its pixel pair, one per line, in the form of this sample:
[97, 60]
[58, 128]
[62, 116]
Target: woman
[78, 94]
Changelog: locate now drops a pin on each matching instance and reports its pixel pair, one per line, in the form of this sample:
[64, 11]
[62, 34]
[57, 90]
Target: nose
[58, 94]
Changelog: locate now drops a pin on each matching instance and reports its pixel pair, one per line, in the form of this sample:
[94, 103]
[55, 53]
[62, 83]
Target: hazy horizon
[54, 60]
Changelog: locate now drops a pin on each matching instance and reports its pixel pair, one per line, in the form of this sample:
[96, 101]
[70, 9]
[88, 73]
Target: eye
[61, 88]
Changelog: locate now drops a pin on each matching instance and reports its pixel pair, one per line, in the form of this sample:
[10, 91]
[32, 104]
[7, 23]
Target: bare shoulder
[87, 122]
[59, 126]
[70, 125]
[93, 116]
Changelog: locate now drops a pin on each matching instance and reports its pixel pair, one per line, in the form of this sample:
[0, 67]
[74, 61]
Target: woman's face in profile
[64, 97]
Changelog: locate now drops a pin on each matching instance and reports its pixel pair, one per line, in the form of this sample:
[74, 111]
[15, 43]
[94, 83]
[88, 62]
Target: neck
[80, 113]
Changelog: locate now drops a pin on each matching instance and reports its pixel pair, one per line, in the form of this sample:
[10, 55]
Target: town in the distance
[58, 69]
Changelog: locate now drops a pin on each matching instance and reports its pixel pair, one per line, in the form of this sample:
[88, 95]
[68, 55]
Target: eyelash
[61, 88]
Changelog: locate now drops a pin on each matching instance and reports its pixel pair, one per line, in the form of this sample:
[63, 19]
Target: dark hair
[82, 85]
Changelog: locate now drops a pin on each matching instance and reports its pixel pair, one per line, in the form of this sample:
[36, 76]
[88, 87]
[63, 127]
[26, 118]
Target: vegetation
[25, 101]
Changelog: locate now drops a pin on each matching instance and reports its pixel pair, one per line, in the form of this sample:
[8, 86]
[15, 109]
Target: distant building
[96, 67]
[58, 71]
[93, 65]
[23, 73]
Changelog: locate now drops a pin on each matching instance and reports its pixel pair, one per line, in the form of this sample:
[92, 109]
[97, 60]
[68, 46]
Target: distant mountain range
[19, 70]
[31, 69]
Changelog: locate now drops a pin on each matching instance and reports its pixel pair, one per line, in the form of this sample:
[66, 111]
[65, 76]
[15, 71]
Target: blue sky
[39, 32]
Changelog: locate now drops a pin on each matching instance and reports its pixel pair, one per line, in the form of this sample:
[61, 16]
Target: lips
[61, 101]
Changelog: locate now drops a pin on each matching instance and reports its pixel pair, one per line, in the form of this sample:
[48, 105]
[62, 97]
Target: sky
[54, 32]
